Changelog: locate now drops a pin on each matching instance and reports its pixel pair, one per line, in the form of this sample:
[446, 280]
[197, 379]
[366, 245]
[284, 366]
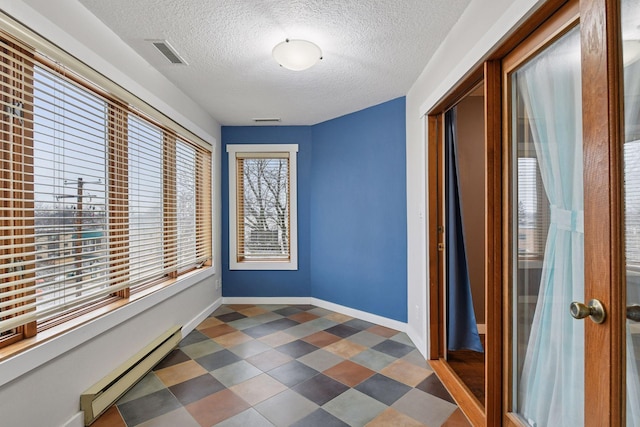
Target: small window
[262, 207]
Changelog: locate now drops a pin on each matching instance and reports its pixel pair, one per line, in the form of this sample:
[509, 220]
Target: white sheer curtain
[632, 135]
[551, 387]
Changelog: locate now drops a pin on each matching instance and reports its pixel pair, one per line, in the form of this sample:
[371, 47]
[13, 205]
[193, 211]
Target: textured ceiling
[373, 51]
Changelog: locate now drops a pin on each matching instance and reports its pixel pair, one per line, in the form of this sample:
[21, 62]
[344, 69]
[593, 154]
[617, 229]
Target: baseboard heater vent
[105, 392]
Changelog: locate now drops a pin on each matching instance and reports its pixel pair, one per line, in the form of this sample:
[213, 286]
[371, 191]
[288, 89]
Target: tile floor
[284, 365]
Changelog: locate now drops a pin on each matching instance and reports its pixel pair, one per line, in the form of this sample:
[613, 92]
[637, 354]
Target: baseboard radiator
[98, 398]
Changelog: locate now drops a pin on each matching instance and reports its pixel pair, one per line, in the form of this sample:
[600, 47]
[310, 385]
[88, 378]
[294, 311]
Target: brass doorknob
[593, 310]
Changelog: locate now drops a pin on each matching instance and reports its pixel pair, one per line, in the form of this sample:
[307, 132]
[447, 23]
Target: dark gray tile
[320, 389]
[193, 337]
[230, 317]
[432, 385]
[173, 358]
[319, 418]
[259, 331]
[147, 407]
[281, 324]
[287, 311]
[297, 348]
[359, 324]
[342, 330]
[304, 307]
[383, 389]
[217, 360]
[196, 388]
[292, 373]
[393, 348]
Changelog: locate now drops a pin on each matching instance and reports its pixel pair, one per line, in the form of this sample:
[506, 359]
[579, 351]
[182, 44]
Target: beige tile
[252, 311]
[111, 418]
[209, 322]
[219, 330]
[216, 407]
[345, 348]
[232, 339]
[382, 331]
[277, 339]
[321, 339]
[390, 417]
[349, 373]
[406, 372]
[258, 389]
[457, 419]
[269, 360]
[180, 372]
[338, 317]
[303, 317]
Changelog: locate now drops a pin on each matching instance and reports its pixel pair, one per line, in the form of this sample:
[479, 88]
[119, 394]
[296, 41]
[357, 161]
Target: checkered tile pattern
[288, 365]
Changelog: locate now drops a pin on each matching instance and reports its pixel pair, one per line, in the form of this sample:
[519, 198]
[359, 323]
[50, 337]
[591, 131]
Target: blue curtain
[462, 331]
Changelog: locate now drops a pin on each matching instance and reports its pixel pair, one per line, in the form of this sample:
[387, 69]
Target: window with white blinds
[97, 198]
[263, 204]
[533, 209]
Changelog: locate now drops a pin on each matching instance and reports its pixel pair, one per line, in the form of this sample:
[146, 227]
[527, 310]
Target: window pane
[265, 213]
[146, 254]
[70, 191]
[186, 204]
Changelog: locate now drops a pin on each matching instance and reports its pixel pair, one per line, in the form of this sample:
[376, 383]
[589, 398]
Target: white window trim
[292, 263]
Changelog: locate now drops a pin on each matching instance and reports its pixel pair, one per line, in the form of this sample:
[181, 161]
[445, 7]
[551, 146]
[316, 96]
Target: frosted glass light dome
[296, 55]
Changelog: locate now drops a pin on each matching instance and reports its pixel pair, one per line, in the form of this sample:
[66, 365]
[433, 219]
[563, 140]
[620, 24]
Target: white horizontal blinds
[145, 198]
[17, 295]
[632, 203]
[533, 205]
[203, 191]
[89, 188]
[263, 206]
[64, 214]
[193, 205]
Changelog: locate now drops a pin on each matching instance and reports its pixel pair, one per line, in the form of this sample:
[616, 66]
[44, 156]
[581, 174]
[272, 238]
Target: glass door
[573, 217]
[545, 138]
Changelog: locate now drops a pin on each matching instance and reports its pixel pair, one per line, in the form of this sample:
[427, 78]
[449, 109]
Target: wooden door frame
[602, 130]
[603, 138]
[468, 403]
[604, 265]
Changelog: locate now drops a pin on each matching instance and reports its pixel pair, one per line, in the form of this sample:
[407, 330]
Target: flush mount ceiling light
[296, 55]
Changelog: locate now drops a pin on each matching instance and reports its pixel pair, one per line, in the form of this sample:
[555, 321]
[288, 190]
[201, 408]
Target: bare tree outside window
[266, 206]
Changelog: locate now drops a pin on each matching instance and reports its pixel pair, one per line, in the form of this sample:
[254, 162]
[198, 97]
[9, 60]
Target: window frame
[263, 150]
[37, 53]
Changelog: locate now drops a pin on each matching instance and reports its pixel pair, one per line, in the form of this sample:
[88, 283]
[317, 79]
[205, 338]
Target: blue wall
[358, 211]
[241, 283]
[351, 212]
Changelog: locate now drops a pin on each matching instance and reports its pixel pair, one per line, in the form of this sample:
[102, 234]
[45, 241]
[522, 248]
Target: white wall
[481, 28]
[42, 386]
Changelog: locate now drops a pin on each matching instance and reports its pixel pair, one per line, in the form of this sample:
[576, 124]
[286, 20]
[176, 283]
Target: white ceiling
[373, 51]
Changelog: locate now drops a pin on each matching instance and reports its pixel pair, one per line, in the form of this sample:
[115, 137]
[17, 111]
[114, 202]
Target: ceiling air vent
[267, 120]
[168, 51]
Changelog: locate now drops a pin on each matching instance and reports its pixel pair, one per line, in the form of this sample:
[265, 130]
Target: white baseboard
[267, 300]
[358, 314]
[421, 346]
[76, 421]
[191, 325]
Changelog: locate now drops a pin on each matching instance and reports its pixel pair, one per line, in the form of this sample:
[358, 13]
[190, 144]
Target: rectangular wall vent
[267, 120]
[168, 52]
[105, 392]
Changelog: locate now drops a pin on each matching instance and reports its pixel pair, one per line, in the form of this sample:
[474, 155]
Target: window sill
[264, 265]
[26, 355]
